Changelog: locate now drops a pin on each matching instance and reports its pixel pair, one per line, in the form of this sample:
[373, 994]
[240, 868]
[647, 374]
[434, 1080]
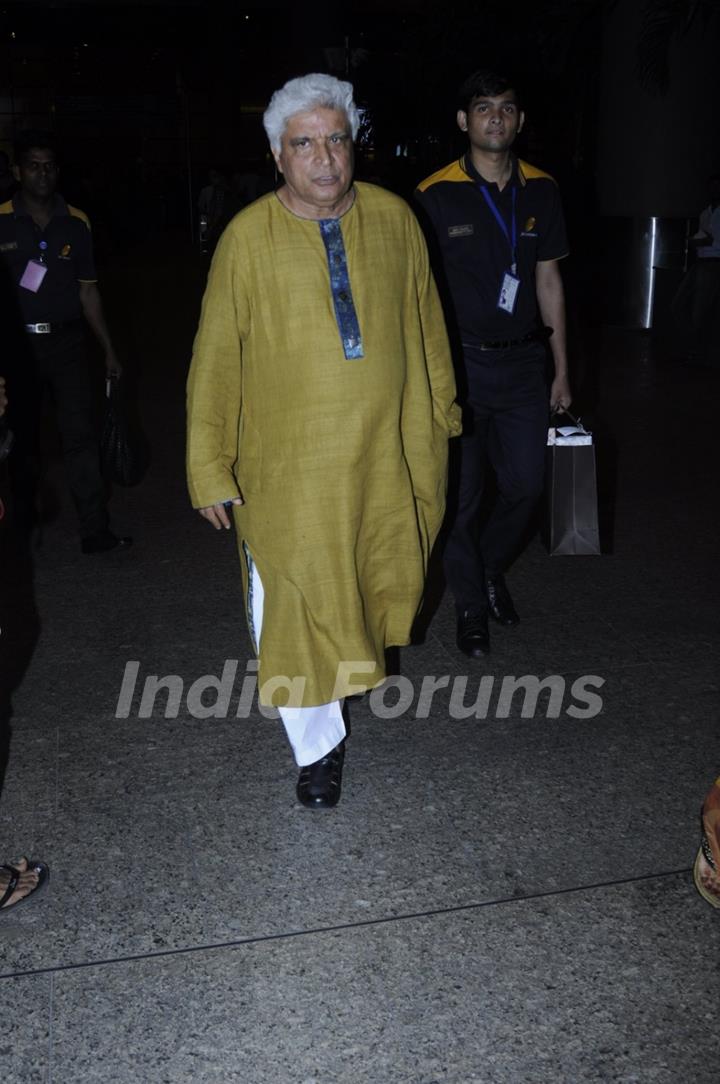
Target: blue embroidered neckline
[345, 313]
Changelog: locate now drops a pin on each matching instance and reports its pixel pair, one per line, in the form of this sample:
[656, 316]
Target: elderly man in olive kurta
[321, 399]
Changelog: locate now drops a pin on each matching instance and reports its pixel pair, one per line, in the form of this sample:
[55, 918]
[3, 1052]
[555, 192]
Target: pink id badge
[33, 275]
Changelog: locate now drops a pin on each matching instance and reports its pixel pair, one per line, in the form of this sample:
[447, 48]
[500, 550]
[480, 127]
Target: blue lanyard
[501, 223]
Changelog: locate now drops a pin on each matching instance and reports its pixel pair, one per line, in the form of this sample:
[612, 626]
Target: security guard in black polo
[47, 248]
[496, 228]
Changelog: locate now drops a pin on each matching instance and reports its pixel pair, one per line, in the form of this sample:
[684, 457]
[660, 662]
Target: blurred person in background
[47, 249]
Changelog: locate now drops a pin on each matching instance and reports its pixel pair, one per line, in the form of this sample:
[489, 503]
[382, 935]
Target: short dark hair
[32, 138]
[485, 83]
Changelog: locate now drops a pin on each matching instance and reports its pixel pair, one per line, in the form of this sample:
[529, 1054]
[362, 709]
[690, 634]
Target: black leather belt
[506, 344]
[47, 328]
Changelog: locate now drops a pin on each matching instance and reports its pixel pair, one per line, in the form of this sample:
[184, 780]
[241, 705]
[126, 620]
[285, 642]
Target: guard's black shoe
[499, 602]
[473, 638]
[102, 541]
[319, 784]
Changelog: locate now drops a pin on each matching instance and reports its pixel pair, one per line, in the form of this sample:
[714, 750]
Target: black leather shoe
[102, 541]
[499, 602]
[473, 638]
[319, 784]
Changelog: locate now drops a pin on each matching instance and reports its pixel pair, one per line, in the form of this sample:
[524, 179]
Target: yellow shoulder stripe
[532, 173]
[453, 172]
[6, 208]
[76, 213]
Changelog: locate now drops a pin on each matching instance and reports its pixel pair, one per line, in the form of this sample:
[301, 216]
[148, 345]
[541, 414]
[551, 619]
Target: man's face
[37, 173]
[316, 160]
[492, 123]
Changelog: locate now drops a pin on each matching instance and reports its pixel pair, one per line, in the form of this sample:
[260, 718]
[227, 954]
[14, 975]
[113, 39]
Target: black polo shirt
[472, 253]
[68, 257]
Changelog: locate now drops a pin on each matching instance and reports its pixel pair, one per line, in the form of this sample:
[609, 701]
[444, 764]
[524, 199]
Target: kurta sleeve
[430, 413]
[214, 390]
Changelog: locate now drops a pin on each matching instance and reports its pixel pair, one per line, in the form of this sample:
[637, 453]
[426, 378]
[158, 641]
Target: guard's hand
[217, 514]
[560, 395]
[113, 368]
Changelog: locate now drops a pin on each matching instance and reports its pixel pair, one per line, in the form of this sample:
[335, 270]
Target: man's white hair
[308, 92]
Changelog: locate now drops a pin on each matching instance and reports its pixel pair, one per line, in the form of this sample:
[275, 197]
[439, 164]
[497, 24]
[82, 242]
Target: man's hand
[217, 514]
[560, 396]
[113, 368]
[3, 396]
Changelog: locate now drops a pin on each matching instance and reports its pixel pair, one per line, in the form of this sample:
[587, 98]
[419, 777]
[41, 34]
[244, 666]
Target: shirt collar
[517, 176]
[60, 207]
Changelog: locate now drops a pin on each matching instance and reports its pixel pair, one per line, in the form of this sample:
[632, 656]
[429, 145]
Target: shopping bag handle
[573, 419]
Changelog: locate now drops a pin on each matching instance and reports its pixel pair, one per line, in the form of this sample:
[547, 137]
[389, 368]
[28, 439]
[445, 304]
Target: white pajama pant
[312, 732]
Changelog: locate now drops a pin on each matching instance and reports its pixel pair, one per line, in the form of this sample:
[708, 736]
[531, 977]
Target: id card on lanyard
[510, 284]
[35, 271]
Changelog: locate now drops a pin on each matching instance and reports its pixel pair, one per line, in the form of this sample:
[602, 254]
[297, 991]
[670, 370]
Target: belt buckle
[43, 329]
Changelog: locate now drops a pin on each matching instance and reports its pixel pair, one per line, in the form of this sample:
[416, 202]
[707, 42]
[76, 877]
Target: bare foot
[27, 882]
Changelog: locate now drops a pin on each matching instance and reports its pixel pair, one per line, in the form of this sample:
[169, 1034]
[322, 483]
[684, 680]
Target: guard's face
[37, 173]
[316, 160]
[492, 123]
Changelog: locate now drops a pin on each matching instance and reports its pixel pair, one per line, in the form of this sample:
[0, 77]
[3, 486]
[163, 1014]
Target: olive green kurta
[341, 463]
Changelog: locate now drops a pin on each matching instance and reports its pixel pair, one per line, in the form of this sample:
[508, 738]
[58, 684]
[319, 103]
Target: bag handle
[573, 419]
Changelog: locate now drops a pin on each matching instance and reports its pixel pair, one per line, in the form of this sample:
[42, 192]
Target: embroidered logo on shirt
[461, 231]
[530, 230]
[9, 246]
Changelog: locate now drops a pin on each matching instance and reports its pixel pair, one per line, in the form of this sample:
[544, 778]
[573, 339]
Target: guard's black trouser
[58, 361]
[505, 401]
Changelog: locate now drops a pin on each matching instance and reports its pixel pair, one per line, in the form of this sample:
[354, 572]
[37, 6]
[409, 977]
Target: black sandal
[43, 874]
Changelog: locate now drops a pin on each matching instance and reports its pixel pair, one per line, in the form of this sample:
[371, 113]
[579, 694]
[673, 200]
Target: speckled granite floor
[497, 899]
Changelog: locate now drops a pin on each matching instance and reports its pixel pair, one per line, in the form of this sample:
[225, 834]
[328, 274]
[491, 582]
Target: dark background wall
[659, 136]
[622, 95]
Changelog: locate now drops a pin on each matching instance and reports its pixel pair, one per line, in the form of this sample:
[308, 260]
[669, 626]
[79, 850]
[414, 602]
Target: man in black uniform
[47, 249]
[496, 227]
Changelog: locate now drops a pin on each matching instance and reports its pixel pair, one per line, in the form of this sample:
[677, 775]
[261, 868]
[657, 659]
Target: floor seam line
[340, 926]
